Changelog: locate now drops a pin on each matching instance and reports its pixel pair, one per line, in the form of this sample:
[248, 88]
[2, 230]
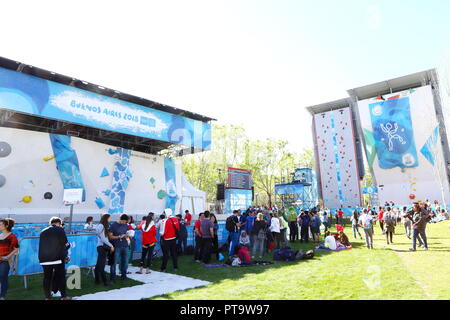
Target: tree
[267, 159]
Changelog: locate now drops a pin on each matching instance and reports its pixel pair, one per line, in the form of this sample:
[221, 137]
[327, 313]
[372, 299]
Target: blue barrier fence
[83, 251]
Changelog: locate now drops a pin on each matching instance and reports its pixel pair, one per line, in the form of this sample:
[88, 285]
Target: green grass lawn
[35, 290]
[387, 272]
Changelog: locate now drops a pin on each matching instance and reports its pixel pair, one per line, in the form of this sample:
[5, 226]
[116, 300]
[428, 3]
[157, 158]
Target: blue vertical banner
[428, 149]
[67, 163]
[171, 183]
[121, 177]
[393, 133]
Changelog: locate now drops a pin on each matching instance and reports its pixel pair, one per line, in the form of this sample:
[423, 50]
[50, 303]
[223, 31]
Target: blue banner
[370, 190]
[428, 149]
[83, 253]
[296, 188]
[236, 199]
[171, 183]
[67, 163]
[393, 133]
[36, 96]
[121, 177]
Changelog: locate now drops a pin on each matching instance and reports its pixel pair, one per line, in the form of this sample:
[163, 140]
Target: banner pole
[70, 221]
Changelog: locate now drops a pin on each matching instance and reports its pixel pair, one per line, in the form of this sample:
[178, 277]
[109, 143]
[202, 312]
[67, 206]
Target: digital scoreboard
[239, 179]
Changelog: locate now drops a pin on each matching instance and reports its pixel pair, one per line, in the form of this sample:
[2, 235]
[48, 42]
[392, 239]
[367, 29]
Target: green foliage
[268, 159]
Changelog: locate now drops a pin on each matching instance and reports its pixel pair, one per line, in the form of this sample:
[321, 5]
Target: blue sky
[256, 63]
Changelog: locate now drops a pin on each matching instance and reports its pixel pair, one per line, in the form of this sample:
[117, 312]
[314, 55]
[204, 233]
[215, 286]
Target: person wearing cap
[168, 232]
[53, 251]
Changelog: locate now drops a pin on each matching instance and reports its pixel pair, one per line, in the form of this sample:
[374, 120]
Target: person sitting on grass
[243, 254]
[244, 239]
[343, 239]
[330, 241]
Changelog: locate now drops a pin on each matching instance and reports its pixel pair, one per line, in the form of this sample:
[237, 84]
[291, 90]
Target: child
[244, 240]
[89, 226]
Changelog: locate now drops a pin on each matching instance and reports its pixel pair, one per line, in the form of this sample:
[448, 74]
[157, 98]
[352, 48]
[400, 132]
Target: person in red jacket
[243, 254]
[188, 218]
[168, 237]
[381, 218]
[148, 242]
[198, 237]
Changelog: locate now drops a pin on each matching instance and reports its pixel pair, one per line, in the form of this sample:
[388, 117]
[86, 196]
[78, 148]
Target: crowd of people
[414, 221]
[251, 233]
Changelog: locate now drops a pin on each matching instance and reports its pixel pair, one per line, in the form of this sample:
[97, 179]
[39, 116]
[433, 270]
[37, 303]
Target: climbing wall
[33, 174]
[337, 159]
[403, 148]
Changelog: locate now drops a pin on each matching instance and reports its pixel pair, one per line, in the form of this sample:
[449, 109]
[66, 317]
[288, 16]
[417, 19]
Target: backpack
[315, 223]
[284, 255]
[229, 224]
[277, 255]
[288, 254]
[299, 254]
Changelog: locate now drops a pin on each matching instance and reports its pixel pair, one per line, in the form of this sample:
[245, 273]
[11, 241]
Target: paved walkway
[154, 284]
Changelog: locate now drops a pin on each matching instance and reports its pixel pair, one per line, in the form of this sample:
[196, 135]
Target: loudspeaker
[253, 193]
[220, 195]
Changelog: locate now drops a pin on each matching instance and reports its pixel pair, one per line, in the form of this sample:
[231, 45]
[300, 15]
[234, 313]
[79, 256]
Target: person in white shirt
[275, 229]
[283, 231]
[366, 222]
[89, 226]
[407, 223]
[244, 239]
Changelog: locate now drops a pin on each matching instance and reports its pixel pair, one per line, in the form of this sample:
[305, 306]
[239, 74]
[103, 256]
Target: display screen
[239, 178]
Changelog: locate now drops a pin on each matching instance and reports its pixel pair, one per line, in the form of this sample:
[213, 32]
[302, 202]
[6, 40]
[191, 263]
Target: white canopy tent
[193, 199]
